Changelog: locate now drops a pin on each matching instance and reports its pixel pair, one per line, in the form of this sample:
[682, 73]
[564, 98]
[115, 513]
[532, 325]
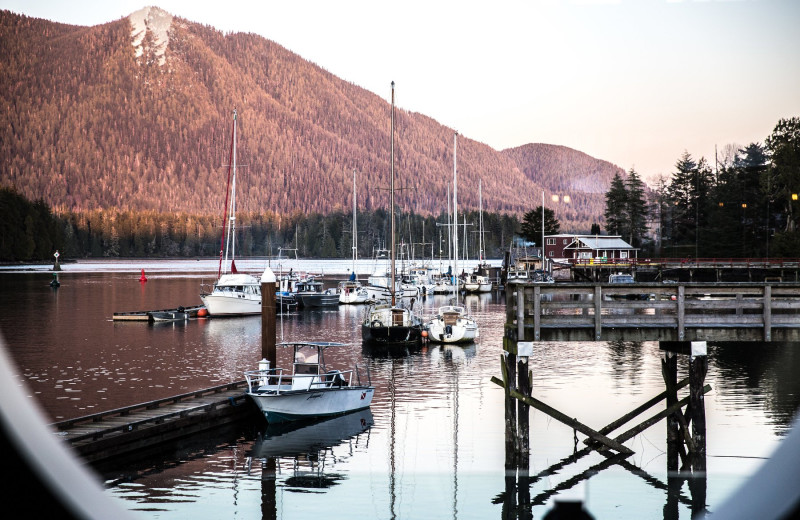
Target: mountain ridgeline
[136, 115]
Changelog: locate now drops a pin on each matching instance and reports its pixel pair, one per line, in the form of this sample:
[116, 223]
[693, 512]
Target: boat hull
[224, 305]
[353, 296]
[308, 404]
[318, 300]
[166, 316]
[438, 332]
[391, 336]
[483, 287]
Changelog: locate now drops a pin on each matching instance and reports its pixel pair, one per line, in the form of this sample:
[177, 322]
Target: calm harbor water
[432, 444]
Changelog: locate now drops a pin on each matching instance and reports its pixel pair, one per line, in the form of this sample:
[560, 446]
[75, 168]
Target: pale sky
[632, 82]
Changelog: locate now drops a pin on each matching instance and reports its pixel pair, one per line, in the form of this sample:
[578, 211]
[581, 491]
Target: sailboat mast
[227, 194]
[455, 216]
[354, 221]
[391, 199]
[232, 217]
[480, 221]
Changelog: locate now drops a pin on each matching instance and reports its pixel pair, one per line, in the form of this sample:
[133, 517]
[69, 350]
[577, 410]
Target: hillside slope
[136, 114]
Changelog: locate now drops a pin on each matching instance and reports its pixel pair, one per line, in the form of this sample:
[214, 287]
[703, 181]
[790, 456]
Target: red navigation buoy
[143, 278]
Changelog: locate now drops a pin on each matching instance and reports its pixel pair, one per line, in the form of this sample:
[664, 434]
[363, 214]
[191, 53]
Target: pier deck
[652, 312]
[124, 431]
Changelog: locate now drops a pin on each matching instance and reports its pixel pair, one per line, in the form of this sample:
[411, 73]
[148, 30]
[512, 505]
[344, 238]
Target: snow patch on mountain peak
[158, 22]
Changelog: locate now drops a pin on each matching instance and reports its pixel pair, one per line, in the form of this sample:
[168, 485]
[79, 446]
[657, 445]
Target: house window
[551, 242]
[551, 253]
[623, 254]
[565, 241]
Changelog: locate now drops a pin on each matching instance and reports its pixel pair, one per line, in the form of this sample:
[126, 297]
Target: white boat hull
[478, 287]
[452, 325]
[294, 405]
[463, 331]
[354, 296]
[232, 305]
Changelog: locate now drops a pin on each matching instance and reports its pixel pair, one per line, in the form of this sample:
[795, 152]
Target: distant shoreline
[324, 267]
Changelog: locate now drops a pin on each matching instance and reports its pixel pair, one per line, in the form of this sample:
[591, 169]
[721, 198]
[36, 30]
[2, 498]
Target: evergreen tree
[531, 228]
[636, 206]
[783, 146]
[616, 213]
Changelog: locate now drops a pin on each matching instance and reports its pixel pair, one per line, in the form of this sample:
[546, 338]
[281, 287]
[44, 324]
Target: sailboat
[388, 324]
[478, 281]
[452, 324]
[351, 291]
[234, 293]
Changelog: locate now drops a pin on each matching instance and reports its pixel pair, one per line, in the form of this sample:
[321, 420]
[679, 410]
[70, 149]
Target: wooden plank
[569, 421]
[613, 425]
[657, 417]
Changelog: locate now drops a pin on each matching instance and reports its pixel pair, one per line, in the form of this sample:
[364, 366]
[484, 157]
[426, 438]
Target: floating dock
[128, 430]
[147, 315]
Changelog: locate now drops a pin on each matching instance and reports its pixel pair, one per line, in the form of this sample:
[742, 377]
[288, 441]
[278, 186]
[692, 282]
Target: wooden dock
[684, 269]
[125, 431]
[652, 312]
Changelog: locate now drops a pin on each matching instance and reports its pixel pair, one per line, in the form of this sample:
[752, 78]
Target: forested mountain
[136, 115]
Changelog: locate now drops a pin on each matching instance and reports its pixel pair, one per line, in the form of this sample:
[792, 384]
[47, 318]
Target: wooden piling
[698, 367]
[669, 371]
[523, 410]
[509, 368]
[268, 314]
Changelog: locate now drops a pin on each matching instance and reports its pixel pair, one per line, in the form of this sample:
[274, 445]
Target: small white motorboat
[351, 291]
[311, 391]
[234, 294]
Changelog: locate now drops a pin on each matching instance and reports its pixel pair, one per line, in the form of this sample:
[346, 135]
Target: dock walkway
[123, 431]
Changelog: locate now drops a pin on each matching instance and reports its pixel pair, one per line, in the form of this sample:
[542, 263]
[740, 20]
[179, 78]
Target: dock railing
[652, 312]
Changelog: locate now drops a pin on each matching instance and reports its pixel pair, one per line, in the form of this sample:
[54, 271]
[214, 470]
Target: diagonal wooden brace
[572, 423]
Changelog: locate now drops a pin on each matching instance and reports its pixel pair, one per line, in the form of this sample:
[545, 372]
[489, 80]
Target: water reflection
[306, 452]
[436, 443]
[759, 375]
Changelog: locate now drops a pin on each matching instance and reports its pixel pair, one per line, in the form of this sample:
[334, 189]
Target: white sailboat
[351, 291]
[388, 324]
[478, 281]
[452, 323]
[234, 293]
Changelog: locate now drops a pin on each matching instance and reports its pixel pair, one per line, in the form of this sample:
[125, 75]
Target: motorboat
[179, 314]
[380, 283]
[312, 390]
[310, 293]
[351, 291]
[452, 325]
[234, 293]
[477, 283]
